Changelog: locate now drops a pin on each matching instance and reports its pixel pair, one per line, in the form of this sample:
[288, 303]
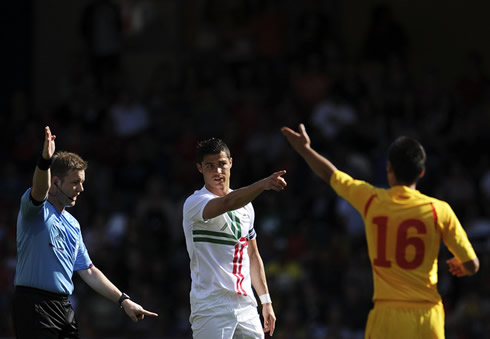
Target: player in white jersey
[224, 259]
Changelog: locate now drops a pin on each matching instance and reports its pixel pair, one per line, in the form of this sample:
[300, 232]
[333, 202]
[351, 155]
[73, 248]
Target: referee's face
[69, 188]
[216, 170]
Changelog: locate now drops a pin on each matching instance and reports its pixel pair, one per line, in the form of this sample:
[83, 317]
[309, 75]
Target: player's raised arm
[301, 143]
[42, 175]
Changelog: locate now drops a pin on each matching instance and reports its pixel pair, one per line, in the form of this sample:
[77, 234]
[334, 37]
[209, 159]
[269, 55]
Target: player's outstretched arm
[102, 285]
[42, 175]
[460, 269]
[301, 143]
[242, 196]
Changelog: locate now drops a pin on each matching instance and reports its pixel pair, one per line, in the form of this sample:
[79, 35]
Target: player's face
[216, 172]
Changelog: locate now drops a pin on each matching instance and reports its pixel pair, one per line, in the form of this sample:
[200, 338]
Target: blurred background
[133, 85]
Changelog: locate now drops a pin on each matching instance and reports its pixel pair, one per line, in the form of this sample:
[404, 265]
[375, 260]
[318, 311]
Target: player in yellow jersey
[404, 229]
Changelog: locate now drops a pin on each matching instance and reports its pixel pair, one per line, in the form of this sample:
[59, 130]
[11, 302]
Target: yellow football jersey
[404, 229]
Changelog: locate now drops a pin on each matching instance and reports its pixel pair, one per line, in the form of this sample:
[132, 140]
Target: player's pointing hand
[275, 181]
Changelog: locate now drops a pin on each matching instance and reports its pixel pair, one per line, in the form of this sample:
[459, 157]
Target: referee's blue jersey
[50, 247]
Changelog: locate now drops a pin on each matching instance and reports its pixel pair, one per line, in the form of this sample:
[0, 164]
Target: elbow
[326, 176]
[87, 273]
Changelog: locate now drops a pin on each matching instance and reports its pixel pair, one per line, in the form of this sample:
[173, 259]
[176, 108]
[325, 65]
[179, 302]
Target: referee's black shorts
[41, 314]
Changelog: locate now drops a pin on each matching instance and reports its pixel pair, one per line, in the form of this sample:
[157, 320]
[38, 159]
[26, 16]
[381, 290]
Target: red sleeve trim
[368, 204]
[434, 213]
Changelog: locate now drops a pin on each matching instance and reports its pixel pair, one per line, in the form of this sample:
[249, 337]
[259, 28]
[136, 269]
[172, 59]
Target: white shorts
[236, 323]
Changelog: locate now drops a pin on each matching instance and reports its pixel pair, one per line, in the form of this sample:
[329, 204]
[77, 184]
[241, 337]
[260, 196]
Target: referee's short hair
[66, 161]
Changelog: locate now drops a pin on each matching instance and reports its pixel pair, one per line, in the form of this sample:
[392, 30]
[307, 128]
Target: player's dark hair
[407, 158]
[211, 146]
[66, 161]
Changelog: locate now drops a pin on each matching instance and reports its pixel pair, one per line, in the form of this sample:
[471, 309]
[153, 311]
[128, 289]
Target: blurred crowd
[250, 68]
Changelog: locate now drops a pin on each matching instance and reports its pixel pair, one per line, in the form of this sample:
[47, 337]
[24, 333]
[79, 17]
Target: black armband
[44, 164]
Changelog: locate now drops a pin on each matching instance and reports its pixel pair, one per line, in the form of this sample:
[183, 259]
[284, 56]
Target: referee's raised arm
[41, 180]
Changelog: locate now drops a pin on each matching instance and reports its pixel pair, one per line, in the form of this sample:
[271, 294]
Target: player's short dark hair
[407, 158]
[211, 146]
[66, 161]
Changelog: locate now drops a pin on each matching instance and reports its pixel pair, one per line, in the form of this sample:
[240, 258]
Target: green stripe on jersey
[231, 215]
[214, 237]
[215, 241]
[214, 234]
[235, 224]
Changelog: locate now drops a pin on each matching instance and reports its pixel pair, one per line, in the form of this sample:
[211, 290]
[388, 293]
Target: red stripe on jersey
[434, 213]
[240, 275]
[366, 208]
[237, 266]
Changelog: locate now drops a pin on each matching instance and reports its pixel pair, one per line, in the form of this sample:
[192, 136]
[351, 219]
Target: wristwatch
[123, 297]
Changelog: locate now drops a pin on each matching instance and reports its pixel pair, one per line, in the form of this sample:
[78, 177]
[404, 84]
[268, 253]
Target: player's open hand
[269, 318]
[298, 140]
[49, 146]
[275, 181]
[135, 311]
[456, 267]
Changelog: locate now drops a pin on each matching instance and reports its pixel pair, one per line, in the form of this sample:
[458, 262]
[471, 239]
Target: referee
[50, 248]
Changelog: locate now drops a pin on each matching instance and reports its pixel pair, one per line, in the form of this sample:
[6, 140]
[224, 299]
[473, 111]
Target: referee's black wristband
[44, 164]
[123, 297]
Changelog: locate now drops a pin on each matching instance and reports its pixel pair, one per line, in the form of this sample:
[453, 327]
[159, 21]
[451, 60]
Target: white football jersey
[218, 251]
